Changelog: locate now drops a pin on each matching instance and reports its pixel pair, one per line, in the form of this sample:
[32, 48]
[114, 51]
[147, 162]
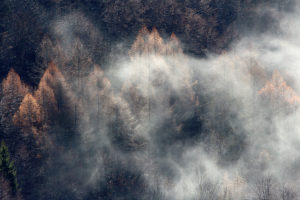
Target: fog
[158, 94]
[156, 123]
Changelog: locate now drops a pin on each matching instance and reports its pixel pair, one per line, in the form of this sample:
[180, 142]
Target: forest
[149, 100]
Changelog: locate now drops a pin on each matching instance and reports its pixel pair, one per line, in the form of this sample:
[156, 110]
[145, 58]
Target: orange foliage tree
[173, 46]
[278, 90]
[155, 43]
[29, 117]
[55, 97]
[45, 95]
[152, 43]
[59, 104]
[13, 91]
[46, 99]
[139, 45]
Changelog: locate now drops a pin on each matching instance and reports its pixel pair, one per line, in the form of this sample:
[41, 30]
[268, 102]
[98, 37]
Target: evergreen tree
[7, 168]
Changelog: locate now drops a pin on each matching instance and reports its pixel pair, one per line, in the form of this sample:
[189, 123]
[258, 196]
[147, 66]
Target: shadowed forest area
[154, 100]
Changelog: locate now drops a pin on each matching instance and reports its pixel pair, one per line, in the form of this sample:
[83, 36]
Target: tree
[137, 103]
[148, 43]
[207, 189]
[155, 43]
[77, 70]
[173, 46]
[53, 88]
[79, 67]
[59, 107]
[29, 117]
[264, 189]
[45, 95]
[139, 45]
[52, 76]
[46, 99]
[278, 94]
[7, 168]
[48, 52]
[13, 91]
[98, 92]
[287, 193]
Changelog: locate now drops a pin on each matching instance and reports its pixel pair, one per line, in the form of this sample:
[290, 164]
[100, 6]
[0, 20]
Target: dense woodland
[202, 26]
[102, 100]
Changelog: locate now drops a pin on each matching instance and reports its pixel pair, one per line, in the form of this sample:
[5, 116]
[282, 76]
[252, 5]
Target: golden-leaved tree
[13, 91]
[147, 43]
[45, 95]
[60, 107]
[155, 44]
[139, 45]
[54, 92]
[29, 115]
[173, 46]
[160, 74]
[278, 94]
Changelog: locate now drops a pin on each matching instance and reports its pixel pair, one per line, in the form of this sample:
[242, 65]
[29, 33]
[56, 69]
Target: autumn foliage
[29, 114]
[53, 119]
[278, 90]
[13, 84]
[13, 91]
[152, 43]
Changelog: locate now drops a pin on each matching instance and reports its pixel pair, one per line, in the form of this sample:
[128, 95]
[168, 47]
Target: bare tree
[207, 189]
[287, 193]
[264, 189]
[227, 194]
